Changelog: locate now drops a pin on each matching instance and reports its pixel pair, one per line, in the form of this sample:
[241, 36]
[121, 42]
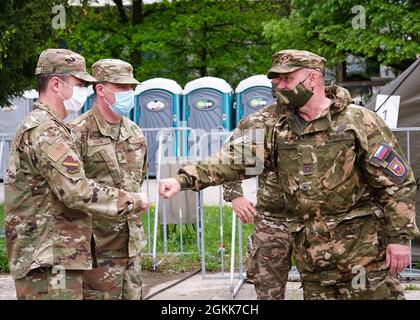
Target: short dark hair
[43, 79]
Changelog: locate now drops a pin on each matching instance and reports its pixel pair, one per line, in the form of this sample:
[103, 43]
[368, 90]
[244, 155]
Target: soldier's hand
[169, 188]
[144, 201]
[397, 257]
[244, 209]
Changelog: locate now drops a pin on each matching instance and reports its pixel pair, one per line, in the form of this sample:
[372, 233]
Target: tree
[181, 40]
[386, 31]
[25, 25]
[193, 39]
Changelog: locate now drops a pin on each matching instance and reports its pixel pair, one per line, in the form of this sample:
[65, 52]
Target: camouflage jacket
[344, 164]
[270, 197]
[47, 195]
[113, 157]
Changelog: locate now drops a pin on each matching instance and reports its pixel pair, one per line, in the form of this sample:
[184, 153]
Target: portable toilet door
[252, 94]
[207, 105]
[158, 105]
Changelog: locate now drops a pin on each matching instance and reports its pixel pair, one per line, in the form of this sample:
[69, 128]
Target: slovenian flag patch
[381, 152]
[396, 167]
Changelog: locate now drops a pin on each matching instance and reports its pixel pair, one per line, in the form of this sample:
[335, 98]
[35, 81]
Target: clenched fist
[169, 188]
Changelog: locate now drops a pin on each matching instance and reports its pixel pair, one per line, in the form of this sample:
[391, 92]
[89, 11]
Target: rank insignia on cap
[381, 152]
[396, 167]
[71, 164]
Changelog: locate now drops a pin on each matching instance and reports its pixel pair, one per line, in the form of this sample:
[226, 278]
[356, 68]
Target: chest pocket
[135, 151]
[341, 178]
[102, 163]
[288, 166]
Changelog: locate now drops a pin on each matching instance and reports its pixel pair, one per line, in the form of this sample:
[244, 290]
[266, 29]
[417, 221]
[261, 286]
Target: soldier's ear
[99, 90]
[54, 84]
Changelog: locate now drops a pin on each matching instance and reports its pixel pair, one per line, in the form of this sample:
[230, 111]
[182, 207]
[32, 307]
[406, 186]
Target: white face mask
[77, 100]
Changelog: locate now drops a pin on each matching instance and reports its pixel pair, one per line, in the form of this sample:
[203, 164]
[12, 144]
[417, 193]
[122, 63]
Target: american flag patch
[381, 152]
[57, 152]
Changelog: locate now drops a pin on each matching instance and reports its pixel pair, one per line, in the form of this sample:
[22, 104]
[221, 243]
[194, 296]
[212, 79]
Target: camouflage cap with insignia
[114, 71]
[286, 61]
[63, 61]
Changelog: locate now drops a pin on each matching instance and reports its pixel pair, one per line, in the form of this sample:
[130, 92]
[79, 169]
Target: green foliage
[411, 287]
[25, 25]
[181, 40]
[212, 242]
[391, 36]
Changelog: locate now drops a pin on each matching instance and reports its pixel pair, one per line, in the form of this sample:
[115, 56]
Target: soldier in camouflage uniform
[113, 150]
[349, 190]
[269, 248]
[49, 202]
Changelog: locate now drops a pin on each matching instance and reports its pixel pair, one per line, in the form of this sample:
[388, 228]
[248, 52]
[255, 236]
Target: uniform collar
[106, 129]
[50, 109]
[340, 98]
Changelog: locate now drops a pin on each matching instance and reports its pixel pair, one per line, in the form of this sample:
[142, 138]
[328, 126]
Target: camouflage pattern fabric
[113, 279]
[269, 248]
[345, 165]
[114, 156]
[379, 286]
[114, 71]
[47, 284]
[49, 202]
[63, 61]
[269, 256]
[270, 197]
[286, 61]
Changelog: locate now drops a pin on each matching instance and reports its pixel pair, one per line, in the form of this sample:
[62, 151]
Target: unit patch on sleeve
[71, 164]
[392, 163]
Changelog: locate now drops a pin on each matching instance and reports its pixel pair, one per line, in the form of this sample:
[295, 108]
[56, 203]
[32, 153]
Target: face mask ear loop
[61, 96]
[109, 105]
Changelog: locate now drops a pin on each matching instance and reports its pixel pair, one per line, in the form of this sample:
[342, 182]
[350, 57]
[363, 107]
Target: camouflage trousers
[346, 262]
[114, 279]
[49, 283]
[268, 257]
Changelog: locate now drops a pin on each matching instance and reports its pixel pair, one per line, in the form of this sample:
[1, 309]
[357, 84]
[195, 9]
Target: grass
[213, 246]
[411, 287]
[181, 263]
[3, 256]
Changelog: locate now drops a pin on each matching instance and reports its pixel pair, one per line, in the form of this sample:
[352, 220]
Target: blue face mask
[124, 102]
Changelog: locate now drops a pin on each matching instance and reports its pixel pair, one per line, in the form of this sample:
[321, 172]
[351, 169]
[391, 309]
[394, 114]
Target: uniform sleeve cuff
[183, 181]
[396, 240]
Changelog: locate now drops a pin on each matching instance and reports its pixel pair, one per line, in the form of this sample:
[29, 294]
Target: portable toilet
[252, 94]
[10, 118]
[157, 105]
[90, 100]
[207, 105]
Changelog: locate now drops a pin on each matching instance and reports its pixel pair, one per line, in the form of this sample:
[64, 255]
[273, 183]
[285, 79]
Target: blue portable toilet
[252, 94]
[11, 116]
[157, 105]
[207, 105]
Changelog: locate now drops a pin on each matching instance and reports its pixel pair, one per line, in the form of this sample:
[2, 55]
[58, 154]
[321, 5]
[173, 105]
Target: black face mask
[294, 98]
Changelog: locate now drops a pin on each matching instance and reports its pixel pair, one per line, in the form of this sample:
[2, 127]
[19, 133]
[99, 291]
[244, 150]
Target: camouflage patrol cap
[114, 71]
[286, 61]
[63, 61]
